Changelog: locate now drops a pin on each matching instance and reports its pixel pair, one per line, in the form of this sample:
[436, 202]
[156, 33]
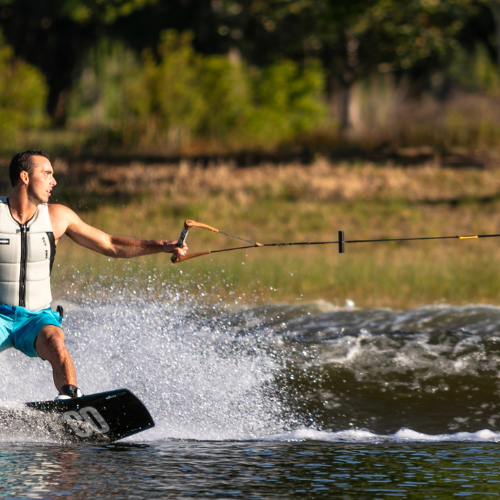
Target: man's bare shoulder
[57, 211]
[61, 217]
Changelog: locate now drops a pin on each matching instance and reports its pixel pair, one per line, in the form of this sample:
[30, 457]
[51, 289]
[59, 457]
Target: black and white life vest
[27, 252]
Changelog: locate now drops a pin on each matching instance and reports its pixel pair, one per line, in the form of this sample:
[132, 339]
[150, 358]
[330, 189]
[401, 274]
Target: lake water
[278, 401]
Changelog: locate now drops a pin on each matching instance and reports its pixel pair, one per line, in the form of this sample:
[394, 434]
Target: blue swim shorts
[19, 327]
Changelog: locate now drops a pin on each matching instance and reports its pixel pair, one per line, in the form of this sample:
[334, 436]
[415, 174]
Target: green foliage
[423, 30]
[175, 102]
[475, 70]
[83, 11]
[361, 34]
[226, 91]
[178, 95]
[97, 98]
[288, 100]
[135, 102]
[23, 94]
[220, 98]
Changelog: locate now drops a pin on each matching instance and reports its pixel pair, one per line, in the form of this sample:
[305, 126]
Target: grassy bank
[292, 203]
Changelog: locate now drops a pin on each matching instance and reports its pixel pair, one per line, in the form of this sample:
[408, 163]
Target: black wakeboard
[104, 417]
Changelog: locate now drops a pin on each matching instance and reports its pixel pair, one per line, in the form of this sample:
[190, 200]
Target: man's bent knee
[49, 343]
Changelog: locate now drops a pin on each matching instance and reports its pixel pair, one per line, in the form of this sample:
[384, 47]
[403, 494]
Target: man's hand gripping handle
[188, 224]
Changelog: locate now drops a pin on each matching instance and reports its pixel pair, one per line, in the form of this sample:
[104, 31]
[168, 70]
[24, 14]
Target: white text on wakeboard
[77, 420]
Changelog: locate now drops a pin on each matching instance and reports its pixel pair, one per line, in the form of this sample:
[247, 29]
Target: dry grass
[321, 181]
[298, 203]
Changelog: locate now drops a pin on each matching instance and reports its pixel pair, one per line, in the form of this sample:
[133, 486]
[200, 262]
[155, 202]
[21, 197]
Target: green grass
[397, 275]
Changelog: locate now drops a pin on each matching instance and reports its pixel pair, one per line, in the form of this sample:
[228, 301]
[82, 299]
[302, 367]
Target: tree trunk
[347, 79]
[495, 9]
[57, 106]
[344, 104]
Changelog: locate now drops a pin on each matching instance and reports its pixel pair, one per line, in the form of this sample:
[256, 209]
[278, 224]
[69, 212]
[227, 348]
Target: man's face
[41, 180]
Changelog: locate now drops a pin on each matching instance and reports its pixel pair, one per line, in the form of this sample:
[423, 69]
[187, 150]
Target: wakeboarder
[30, 229]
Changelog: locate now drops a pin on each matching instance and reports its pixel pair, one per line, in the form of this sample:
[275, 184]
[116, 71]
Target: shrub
[175, 101]
[176, 95]
[226, 91]
[287, 101]
[23, 95]
[220, 98]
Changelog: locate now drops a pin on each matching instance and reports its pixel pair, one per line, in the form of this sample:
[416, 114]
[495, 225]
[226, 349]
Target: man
[29, 231]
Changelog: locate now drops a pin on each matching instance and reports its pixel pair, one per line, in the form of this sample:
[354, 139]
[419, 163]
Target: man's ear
[24, 177]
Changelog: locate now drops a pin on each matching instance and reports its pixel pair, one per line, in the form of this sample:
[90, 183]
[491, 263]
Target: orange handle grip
[187, 257]
[199, 225]
[188, 224]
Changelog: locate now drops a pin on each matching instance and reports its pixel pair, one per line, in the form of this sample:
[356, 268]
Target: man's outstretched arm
[65, 221]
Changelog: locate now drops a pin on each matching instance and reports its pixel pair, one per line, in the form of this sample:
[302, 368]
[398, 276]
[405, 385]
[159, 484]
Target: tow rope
[341, 242]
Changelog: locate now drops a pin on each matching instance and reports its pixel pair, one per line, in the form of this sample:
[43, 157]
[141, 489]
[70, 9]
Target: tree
[355, 38]
[53, 35]
[23, 93]
[494, 6]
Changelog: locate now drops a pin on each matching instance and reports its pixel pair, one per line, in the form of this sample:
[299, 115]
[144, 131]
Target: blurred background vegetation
[378, 117]
[202, 76]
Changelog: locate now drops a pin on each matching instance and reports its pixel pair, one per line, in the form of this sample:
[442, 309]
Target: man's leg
[49, 345]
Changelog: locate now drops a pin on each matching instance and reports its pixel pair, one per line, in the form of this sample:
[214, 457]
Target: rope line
[341, 242]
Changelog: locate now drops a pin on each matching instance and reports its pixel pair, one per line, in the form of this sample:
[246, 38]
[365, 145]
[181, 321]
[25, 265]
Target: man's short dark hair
[23, 162]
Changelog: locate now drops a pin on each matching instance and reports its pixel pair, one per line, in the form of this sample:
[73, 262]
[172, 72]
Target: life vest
[27, 253]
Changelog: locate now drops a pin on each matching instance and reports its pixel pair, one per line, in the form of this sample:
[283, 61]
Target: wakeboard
[96, 418]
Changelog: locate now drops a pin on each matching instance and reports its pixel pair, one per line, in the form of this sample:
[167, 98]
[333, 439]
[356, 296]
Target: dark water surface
[281, 401]
[250, 470]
